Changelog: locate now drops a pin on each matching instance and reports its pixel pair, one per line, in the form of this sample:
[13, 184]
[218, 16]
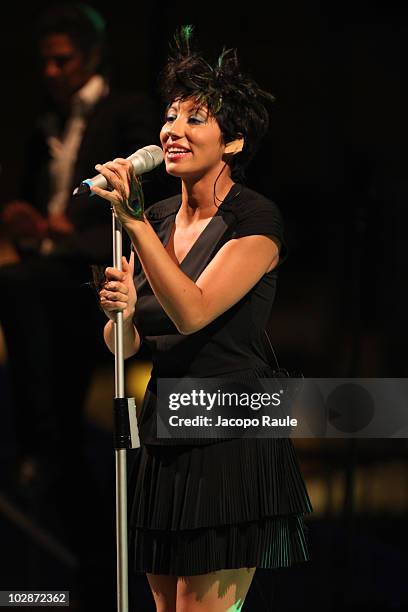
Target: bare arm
[236, 268]
[119, 295]
[131, 338]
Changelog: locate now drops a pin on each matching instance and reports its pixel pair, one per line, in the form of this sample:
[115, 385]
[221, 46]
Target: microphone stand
[125, 436]
[126, 433]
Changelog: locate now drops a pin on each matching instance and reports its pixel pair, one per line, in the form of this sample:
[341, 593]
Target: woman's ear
[233, 147]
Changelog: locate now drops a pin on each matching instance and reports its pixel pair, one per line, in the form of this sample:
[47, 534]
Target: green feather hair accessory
[206, 83]
[182, 39]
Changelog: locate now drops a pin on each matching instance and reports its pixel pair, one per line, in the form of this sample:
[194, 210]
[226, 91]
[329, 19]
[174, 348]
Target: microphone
[143, 160]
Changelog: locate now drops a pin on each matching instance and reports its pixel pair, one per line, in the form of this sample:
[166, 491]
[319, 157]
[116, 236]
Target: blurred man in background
[51, 240]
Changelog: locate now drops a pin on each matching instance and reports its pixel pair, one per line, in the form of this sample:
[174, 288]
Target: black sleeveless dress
[207, 505]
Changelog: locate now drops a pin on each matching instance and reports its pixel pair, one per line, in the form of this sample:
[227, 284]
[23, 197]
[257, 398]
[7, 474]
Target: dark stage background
[335, 161]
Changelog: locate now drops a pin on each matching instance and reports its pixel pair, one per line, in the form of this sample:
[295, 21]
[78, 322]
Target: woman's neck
[198, 199]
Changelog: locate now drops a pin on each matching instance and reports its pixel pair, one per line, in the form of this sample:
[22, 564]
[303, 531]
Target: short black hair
[233, 98]
[82, 23]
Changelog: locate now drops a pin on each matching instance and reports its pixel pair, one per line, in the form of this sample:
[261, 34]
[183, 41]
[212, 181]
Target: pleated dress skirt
[230, 504]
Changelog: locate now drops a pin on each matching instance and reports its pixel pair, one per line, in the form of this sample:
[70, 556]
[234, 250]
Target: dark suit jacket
[118, 125]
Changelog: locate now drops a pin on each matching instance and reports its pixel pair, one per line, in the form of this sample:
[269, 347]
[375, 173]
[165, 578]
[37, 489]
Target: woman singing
[205, 514]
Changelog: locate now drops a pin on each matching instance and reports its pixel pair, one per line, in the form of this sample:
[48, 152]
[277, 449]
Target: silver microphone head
[146, 159]
[143, 160]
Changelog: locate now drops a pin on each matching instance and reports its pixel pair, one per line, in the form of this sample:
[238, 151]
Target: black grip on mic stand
[125, 434]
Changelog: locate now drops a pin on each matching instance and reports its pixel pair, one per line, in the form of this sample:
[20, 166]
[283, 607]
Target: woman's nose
[176, 128]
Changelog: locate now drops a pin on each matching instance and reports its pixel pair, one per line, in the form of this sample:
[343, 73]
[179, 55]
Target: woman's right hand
[119, 293]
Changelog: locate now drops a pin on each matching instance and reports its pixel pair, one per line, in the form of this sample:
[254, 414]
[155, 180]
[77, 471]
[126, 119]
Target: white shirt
[64, 150]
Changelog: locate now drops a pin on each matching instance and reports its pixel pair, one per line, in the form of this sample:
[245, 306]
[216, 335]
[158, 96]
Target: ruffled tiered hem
[270, 543]
[236, 503]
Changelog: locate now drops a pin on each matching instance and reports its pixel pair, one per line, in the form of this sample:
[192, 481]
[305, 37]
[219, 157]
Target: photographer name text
[205, 421]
